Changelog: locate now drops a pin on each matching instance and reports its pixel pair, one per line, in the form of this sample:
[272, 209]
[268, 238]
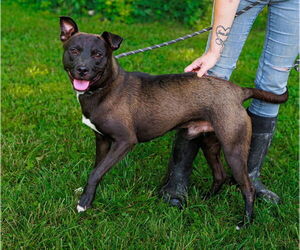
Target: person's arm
[224, 12]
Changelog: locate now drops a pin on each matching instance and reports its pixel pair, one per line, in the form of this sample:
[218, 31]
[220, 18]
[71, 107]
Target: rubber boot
[262, 132]
[175, 190]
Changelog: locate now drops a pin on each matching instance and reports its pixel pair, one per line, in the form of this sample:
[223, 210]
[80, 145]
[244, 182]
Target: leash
[296, 65]
[186, 36]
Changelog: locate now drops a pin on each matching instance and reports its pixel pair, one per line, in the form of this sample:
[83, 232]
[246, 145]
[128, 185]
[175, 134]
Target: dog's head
[87, 57]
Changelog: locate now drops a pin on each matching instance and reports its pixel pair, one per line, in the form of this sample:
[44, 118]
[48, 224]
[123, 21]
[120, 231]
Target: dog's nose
[82, 70]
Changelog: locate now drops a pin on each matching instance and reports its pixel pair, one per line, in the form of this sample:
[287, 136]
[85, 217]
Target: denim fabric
[280, 50]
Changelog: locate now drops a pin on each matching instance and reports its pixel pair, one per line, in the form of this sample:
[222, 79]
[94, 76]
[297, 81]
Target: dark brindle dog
[125, 108]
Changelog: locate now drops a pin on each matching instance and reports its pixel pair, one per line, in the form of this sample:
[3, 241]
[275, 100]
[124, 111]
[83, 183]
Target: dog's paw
[244, 224]
[85, 202]
[80, 208]
[78, 190]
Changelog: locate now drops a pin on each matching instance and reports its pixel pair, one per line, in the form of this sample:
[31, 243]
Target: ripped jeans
[280, 50]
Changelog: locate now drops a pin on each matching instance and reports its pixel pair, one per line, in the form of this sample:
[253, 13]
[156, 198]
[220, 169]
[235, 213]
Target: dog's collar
[89, 92]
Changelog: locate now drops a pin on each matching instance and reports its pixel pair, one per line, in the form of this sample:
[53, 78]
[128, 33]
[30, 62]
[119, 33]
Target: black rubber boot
[175, 190]
[262, 132]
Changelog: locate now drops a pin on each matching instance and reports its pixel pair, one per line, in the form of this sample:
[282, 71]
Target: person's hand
[202, 64]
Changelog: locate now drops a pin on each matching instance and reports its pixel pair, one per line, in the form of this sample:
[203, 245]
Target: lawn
[47, 153]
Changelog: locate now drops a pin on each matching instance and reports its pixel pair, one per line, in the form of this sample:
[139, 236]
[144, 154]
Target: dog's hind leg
[211, 148]
[238, 165]
[180, 167]
[235, 141]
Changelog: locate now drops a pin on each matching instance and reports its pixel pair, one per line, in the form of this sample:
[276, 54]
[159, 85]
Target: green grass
[48, 153]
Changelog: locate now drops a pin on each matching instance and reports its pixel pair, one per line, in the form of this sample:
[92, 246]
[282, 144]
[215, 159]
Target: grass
[48, 153]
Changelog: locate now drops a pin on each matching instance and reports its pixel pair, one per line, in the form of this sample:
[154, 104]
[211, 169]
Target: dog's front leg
[103, 144]
[116, 152]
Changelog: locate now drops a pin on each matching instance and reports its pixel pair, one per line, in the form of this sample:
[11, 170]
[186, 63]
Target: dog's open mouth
[83, 85]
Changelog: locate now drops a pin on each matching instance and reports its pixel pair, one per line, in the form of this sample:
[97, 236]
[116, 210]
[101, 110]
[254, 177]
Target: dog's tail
[264, 95]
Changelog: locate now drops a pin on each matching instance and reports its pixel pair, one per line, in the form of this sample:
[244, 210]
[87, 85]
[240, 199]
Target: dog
[126, 108]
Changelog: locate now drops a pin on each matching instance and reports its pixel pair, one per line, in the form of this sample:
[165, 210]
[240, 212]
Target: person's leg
[184, 152]
[280, 50]
[235, 41]
[175, 189]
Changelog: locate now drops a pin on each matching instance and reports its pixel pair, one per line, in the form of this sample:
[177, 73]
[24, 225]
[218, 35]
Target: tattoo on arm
[222, 34]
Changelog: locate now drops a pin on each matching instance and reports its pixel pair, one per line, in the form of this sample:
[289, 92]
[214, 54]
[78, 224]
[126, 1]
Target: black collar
[90, 92]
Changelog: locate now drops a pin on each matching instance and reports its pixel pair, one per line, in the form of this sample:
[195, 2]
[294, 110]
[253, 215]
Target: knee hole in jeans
[284, 69]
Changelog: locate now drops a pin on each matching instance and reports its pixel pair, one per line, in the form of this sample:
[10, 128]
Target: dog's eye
[74, 51]
[97, 55]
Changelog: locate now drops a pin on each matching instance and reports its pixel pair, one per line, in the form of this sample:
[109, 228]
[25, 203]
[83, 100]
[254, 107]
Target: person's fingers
[202, 64]
[202, 71]
[195, 69]
[193, 66]
[189, 68]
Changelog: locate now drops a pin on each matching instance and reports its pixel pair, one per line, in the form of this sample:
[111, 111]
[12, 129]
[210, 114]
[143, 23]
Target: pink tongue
[81, 85]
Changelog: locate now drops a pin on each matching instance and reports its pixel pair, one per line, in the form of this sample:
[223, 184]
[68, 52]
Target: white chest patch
[78, 93]
[89, 124]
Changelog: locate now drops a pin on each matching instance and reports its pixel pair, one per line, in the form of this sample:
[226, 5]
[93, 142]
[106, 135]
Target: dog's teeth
[80, 209]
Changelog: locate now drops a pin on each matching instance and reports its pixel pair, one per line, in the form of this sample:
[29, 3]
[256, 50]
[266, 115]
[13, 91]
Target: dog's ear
[113, 40]
[67, 27]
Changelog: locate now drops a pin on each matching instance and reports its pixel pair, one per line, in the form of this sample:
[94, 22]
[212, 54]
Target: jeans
[280, 50]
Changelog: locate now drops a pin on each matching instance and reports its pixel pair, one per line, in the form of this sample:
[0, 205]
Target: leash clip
[296, 65]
